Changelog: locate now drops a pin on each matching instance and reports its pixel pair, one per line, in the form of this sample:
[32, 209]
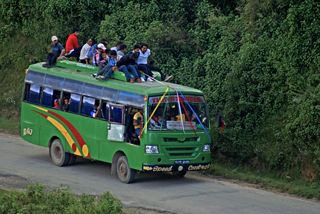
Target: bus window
[26, 92]
[47, 97]
[57, 101]
[116, 114]
[34, 94]
[104, 110]
[74, 103]
[89, 106]
[174, 117]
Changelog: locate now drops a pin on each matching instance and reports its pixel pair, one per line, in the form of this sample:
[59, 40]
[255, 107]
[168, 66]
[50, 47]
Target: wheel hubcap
[123, 169]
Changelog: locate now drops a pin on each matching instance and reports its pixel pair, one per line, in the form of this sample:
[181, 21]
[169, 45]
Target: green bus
[73, 114]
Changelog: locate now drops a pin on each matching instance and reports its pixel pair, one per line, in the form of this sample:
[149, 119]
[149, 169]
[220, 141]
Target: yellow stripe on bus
[65, 133]
[40, 108]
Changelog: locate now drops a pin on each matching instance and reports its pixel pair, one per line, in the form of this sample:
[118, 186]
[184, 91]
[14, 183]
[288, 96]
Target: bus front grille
[180, 154]
[181, 151]
[167, 139]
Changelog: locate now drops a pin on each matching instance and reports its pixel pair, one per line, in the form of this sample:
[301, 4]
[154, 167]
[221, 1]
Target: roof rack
[93, 69]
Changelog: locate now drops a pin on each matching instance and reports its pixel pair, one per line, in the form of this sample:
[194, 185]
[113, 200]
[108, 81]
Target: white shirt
[143, 57]
[84, 54]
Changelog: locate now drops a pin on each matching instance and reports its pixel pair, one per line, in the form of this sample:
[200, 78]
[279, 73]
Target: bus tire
[58, 156]
[72, 159]
[124, 172]
[179, 174]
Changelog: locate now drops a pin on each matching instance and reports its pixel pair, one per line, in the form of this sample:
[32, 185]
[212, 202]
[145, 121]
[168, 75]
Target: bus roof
[144, 88]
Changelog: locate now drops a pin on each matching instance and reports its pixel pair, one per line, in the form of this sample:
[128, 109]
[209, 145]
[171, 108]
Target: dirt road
[21, 162]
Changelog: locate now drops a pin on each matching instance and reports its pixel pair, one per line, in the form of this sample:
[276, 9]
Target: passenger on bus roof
[97, 54]
[143, 68]
[136, 49]
[129, 61]
[117, 47]
[84, 53]
[103, 63]
[143, 60]
[112, 66]
[56, 53]
[72, 47]
[122, 51]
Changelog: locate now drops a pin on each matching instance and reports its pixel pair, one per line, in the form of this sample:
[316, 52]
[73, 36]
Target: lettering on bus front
[193, 99]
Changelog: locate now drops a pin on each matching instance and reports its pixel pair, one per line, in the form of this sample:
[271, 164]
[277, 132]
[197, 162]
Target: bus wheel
[58, 156]
[72, 159]
[179, 174]
[125, 174]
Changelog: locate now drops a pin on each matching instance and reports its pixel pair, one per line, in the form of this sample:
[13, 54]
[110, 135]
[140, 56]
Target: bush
[36, 200]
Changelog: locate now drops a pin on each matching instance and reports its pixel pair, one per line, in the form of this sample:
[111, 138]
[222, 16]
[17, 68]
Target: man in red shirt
[72, 47]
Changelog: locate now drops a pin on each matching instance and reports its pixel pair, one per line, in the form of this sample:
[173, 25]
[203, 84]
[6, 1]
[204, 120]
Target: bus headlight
[150, 149]
[206, 148]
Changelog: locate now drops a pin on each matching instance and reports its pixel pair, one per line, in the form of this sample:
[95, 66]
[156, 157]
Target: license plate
[182, 161]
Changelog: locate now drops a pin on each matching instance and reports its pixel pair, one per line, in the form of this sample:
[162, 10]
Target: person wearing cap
[84, 53]
[97, 56]
[56, 52]
[72, 47]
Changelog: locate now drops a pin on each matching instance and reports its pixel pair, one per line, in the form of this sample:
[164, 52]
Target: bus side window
[115, 114]
[87, 105]
[47, 97]
[34, 94]
[103, 114]
[74, 103]
[26, 92]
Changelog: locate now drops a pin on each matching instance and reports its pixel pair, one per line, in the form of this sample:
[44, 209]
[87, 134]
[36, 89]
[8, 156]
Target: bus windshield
[173, 116]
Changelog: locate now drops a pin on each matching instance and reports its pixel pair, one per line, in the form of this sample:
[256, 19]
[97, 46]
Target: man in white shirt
[143, 60]
[84, 54]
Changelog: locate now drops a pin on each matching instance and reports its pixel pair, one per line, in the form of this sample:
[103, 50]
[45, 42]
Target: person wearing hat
[72, 47]
[56, 52]
[97, 54]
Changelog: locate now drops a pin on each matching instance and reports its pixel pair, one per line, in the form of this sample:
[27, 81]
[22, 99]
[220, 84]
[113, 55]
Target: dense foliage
[36, 200]
[257, 61]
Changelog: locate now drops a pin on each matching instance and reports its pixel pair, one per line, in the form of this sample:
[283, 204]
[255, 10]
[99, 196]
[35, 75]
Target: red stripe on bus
[73, 130]
[41, 114]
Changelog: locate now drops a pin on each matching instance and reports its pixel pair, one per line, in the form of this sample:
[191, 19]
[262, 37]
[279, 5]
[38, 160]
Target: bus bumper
[176, 167]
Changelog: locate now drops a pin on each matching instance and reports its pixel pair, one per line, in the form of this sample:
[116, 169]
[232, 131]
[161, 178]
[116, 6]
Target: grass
[10, 125]
[36, 200]
[267, 180]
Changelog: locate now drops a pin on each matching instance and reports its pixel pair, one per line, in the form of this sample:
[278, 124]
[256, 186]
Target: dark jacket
[125, 60]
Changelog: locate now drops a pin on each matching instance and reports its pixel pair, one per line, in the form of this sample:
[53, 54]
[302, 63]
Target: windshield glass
[177, 117]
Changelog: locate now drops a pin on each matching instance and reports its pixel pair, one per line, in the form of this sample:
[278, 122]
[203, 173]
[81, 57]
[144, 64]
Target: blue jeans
[124, 69]
[137, 131]
[134, 70]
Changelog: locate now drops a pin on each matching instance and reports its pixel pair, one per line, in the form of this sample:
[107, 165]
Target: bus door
[116, 127]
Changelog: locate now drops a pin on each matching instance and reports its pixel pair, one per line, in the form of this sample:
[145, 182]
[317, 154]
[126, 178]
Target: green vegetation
[10, 125]
[36, 200]
[257, 61]
[266, 180]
